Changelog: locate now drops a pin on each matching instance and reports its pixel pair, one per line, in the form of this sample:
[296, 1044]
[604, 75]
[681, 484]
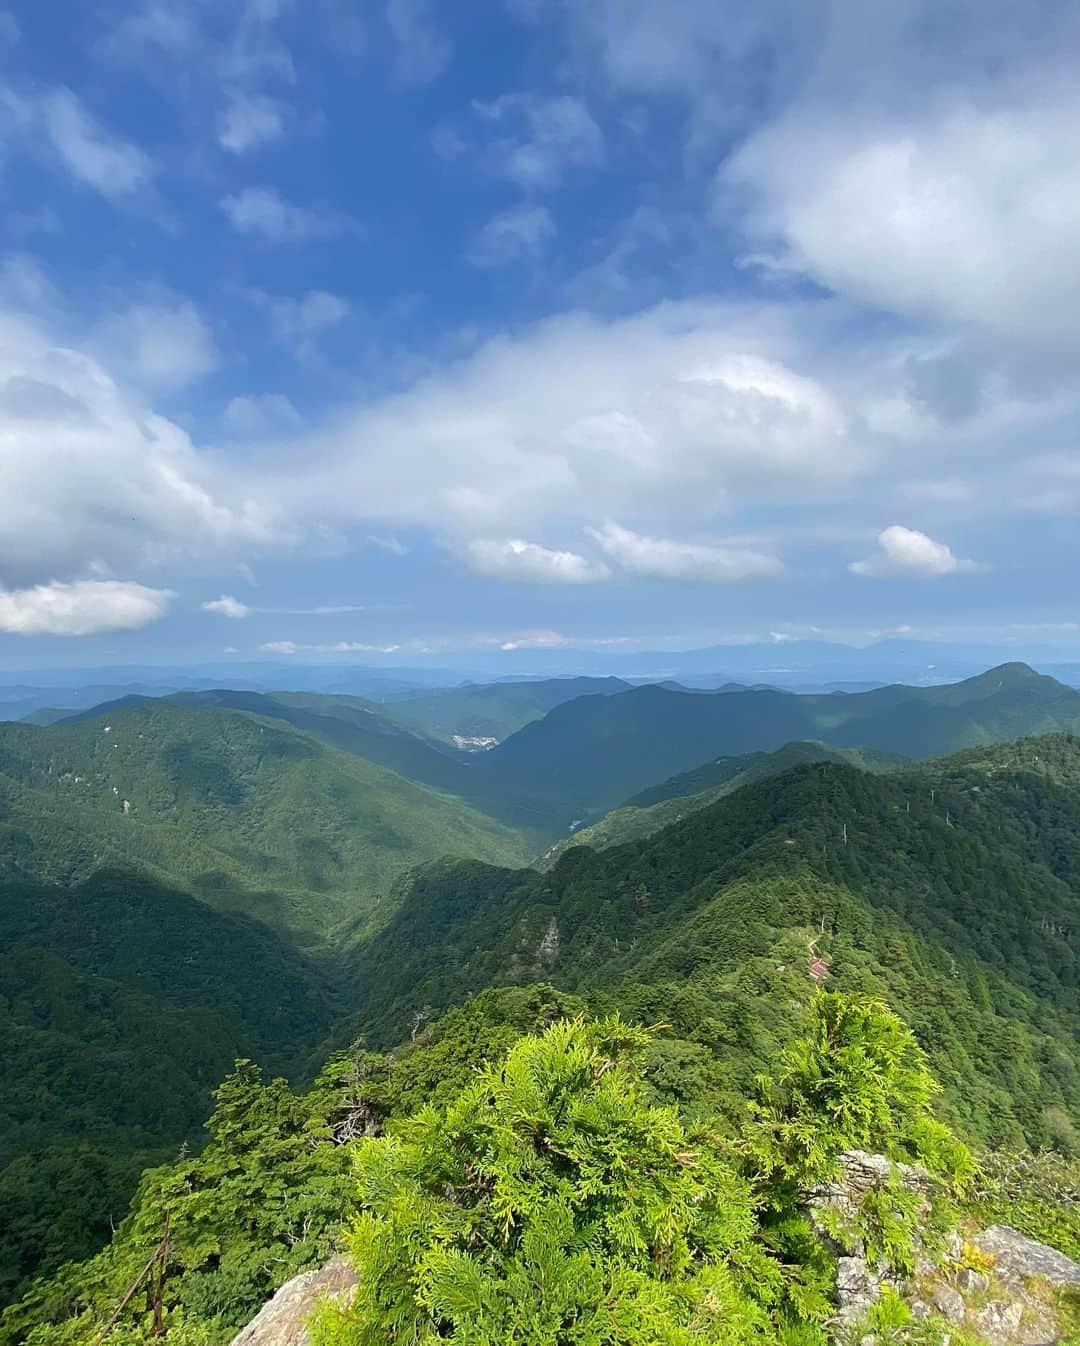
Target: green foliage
[264, 1200]
[956, 899]
[856, 1080]
[1039, 1194]
[250, 813]
[550, 1203]
[526, 1189]
[951, 908]
[122, 1002]
[672, 800]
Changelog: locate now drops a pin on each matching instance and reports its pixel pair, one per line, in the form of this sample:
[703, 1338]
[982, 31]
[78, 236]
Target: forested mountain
[952, 888]
[591, 754]
[491, 710]
[936, 887]
[123, 1001]
[674, 798]
[248, 813]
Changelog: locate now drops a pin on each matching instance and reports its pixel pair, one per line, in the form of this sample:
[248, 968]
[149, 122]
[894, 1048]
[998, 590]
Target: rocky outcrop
[282, 1320]
[835, 1210]
[1016, 1257]
[1000, 1287]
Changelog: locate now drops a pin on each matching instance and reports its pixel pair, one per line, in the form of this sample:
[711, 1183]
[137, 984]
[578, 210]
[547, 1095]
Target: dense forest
[496, 1187]
[254, 899]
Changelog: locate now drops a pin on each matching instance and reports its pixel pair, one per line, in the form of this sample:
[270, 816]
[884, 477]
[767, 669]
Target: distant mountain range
[588, 755]
[798, 665]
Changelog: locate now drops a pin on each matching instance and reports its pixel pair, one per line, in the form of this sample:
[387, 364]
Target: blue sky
[380, 330]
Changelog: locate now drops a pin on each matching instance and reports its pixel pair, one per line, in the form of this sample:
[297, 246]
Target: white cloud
[520, 233]
[24, 283]
[81, 608]
[423, 52]
[94, 156]
[296, 321]
[677, 47]
[93, 476]
[249, 415]
[537, 139]
[527, 562]
[163, 345]
[227, 606]
[392, 545]
[291, 647]
[674, 412]
[224, 45]
[662, 558]
[534, 640]
[928, 216]
[907, 552]
[249, 121]
[261, 212]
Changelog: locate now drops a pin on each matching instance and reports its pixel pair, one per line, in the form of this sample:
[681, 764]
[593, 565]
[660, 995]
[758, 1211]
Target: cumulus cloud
[907, 552]
[250, 121]
[93, 477]
[928, 216]
[662, 558]
[227, 606]
[518, 234]
[675, 410]
[262, 212]
[422, 51]
[535, 139]
[81, 608]
[528, 562]
[162, 345]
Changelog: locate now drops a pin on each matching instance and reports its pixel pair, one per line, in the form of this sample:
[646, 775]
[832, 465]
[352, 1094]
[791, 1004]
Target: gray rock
[858, 1289]
[949, 1303]
[282, 1320]
[972, 1282]
[1017, 1257]
[1014, 1322]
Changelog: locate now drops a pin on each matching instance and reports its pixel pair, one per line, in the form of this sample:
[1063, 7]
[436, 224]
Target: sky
[376, 330]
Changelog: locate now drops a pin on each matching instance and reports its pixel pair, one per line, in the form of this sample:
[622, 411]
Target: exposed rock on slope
[1011, 1302]
[282, 1320]
[1016, 1257]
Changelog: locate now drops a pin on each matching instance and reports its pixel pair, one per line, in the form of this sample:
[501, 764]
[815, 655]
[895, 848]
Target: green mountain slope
[363, 729]
[591, 754]
[673, 799]
[122, 1003]
[249, 813]
[492, 710]
[959, 906]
